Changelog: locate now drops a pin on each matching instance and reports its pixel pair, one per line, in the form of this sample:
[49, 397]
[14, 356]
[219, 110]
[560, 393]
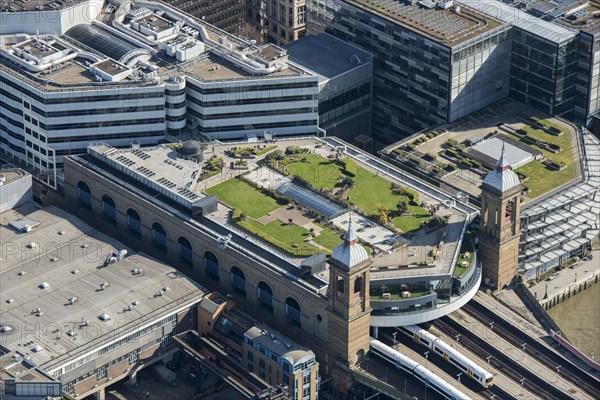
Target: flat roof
[326, 55]
[160, 166]
[69, 258]
[278, 344]
[252, 62]
[12, 174]
[489, 150]
[40, 5]
[521, 19]
[445, 26]
[213, 68]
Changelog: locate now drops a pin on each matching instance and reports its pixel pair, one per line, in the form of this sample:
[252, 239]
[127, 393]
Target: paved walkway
[567, 278]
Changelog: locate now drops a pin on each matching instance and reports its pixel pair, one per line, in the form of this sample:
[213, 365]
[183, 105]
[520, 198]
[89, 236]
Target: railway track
[546, 356]
[527, 379]
[494, 392]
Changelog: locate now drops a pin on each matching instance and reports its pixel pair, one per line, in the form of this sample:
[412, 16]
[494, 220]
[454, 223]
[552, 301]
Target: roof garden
[459, 154]
[441, 21]
[298, 196]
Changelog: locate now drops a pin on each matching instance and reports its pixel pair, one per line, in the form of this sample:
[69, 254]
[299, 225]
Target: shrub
[292, 150]
[451, 143]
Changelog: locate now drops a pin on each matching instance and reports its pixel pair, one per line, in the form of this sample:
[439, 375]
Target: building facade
[280, 361]
[174, 225]
[426, 73]
[153, 71]
[279, 21]
[435, 63]
[228, 15]
[345, 83]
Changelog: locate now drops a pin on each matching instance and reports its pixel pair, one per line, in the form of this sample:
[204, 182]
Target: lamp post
[546, 293]
[522, 380]
[557, 373]
[394, 337]
[492, 325]
[523, 349]
[458, 376]
[457, 339]
[426, 354]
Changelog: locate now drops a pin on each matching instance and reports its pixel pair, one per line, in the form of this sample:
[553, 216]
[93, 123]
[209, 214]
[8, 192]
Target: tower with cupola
[348, 297]
[499, 227]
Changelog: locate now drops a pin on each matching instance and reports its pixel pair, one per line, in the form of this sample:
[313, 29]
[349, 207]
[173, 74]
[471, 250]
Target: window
[159, 237]
[84, 195]
[186, 254]
[109, 209]
[134, 222]
[238, 280]
[212, 265]
[265, 296]
[292, 311]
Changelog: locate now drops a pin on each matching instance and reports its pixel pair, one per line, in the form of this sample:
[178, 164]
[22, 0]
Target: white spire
[350, 235]
[502, 161]
[350, 253]
[503, 177]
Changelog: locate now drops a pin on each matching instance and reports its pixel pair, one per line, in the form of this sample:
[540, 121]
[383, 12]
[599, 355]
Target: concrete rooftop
[69, 256]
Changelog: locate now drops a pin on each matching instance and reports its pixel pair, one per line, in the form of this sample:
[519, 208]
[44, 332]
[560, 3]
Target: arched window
[265, 296]
[212, 265]
[109, 208]
[238, 280]
[159, 236]
[134, 222]
[84, 195]
[358, 285]
[186, 253]
[292, 311]
[339, 287]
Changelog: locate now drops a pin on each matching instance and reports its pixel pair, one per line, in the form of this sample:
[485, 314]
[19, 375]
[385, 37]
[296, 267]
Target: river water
[579, 319]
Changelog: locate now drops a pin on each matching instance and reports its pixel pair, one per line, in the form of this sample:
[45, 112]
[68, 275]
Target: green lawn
[244, 197]
[459, 270]
[318, 171]
[328, 238]
[371, 192]
[289, 238]
[542, 179]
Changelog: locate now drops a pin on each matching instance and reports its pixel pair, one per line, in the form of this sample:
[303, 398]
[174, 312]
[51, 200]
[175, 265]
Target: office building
[438, 61]
[279, 21]
[431, 64]
[279, 360]
[136, 73]
[229, 15]
[345, 75]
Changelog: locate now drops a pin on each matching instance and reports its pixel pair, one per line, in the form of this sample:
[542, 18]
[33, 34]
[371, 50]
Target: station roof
[63, 261]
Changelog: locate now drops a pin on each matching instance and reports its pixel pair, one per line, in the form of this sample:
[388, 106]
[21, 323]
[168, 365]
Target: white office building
[133, 72]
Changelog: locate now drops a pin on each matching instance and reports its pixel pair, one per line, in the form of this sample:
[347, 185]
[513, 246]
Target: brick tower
[500, 228]
[349, 305]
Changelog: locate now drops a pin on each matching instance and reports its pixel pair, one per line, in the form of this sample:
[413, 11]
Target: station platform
[547, 373]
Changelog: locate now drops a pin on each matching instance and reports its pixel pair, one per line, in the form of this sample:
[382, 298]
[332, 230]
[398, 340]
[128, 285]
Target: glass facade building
[420, 79]
[433, 66]
[587, 99]
[543, 72]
